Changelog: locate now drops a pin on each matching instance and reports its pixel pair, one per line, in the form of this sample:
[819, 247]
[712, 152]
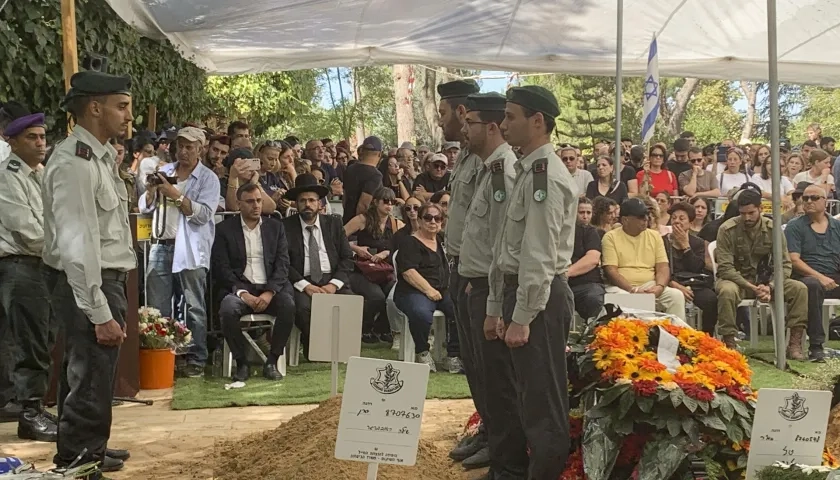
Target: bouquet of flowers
[665, 400]
[158, 332]
[787, 471]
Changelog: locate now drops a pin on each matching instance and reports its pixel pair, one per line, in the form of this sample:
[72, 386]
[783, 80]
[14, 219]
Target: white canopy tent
[697, 38]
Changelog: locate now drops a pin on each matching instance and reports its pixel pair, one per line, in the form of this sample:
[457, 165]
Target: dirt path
[169, 445]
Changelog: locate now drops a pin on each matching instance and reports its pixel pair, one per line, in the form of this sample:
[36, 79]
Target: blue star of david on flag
[651, 93]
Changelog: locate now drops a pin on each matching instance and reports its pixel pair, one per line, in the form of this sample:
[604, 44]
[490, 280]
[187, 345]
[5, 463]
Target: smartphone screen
[721, 154]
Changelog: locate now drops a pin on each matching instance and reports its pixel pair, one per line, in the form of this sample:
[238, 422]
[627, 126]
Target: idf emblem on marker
[387, 380]
[794, 408]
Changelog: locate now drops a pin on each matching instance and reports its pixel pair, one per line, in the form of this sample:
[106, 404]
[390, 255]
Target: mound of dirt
[832, 438]
[303, 449]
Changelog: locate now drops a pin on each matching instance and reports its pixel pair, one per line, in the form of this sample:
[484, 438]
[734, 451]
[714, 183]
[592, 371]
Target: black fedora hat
[306, 183]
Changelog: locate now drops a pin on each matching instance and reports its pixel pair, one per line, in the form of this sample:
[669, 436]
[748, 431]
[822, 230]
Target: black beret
[486, 102]
[90, 83]
[458, 88]
[536, 98]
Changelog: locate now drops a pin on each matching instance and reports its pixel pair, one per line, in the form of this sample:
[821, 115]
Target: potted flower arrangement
[159, 338]
[652, 421]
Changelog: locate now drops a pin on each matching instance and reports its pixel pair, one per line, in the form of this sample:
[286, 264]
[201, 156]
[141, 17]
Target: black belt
[163, 241]
[114, 275]
[22, 258]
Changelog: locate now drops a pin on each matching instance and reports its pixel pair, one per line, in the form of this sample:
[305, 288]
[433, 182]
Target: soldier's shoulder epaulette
[497, 179]
[13, 166]
[540, 179]
[83, 150]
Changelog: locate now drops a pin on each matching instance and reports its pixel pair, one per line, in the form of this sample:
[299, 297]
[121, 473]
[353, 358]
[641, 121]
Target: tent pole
[68, 46]
[778, 275]
[619, 87]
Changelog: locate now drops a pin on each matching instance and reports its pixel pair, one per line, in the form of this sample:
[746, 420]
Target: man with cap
[362, 179]
[434, 179]
[320, 258]
[452, 150]
[529, 299]
[494, 182]
[22, 289]
[88, 253]
[183, 197]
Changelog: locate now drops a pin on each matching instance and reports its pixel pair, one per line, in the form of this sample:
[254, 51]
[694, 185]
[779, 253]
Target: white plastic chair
[407, 342]
[292, 346]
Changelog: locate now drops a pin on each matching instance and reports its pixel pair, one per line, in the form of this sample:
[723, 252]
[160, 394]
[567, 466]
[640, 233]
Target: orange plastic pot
[157, 368]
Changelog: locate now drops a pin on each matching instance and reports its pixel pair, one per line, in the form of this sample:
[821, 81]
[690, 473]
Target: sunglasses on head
[811, 198]
[430, 218]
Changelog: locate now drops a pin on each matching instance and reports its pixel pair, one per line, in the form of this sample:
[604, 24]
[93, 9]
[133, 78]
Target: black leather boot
[33, 424]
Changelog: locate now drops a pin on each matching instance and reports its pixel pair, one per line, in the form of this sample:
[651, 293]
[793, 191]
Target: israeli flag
[651, 93]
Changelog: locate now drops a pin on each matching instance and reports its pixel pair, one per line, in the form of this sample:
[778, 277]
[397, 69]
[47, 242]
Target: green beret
[456, 89]
[536, 98]
[486, 102]
[90, 83]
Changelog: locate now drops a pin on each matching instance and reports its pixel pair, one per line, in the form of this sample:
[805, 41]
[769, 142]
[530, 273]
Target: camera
[155, 180]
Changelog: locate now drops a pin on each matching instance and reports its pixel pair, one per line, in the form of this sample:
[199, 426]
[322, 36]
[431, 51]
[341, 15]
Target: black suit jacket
[229, 258]
[336, 244]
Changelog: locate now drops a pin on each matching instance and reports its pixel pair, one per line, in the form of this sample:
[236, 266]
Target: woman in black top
[393, 178]
[687, 260]
[422, 281]
[374, 230]
[606, 185]
[409, 214]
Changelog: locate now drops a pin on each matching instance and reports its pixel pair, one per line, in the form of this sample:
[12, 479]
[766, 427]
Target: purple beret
[18, 125]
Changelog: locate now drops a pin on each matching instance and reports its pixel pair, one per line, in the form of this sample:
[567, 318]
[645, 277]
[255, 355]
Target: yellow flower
[670, 386]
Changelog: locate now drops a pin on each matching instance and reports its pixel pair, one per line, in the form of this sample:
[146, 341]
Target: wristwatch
[179, 201]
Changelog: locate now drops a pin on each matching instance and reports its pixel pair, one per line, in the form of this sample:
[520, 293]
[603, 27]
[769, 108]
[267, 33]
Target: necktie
[314, 256]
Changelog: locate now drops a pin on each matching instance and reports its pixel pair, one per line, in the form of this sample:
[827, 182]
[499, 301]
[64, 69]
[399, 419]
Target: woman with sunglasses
[374, 231]
[422, 280]
[606, 185]
[654, 178]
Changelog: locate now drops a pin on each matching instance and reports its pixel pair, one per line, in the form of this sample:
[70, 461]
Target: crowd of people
[503, 232]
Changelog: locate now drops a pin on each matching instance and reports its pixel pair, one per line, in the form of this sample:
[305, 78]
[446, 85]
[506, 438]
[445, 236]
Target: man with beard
[530, 300]
[217, 150]
[88, 253]
[485, 112]
[319, 254]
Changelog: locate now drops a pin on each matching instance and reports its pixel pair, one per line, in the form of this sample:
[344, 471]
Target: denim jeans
[420, 312]
[160, 287]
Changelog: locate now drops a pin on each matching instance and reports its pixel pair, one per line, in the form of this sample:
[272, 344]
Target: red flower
[631, 449]
[737, 394]
[574, 467]
[684, 359]
[645, 388]
[697, 392]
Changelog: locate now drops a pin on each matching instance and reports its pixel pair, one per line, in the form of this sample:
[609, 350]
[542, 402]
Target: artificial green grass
[310, 382]
[305, 384]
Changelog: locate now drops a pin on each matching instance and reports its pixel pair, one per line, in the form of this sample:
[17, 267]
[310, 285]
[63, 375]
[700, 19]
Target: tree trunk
[681, 100]
[402, 99]
[749, 89]
[360, 114]
[430, 109]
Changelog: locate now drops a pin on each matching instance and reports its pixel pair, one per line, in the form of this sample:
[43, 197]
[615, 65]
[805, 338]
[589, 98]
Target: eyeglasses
[475, 122]
[811, 198]
[439, 166]
[412, 208]
[568, 159]
[656, 155]
[388, 201]
[432, 218]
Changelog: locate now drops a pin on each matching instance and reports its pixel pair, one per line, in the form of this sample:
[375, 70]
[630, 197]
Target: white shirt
[173, 214]
[255, 260]
[767, 185]
[326, 268]
[728, 181]
[806, 177]
[582, 177]
[147, 167]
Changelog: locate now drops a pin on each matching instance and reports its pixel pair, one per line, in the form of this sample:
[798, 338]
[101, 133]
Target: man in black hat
[530, 300]
[22, 289]
[494, 182]
[88, 253]
[320, 257]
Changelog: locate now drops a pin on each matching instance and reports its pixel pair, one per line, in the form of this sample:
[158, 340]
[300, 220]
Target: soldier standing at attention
[530, 292]
[22, 288]
[87, 244]
[485, 113]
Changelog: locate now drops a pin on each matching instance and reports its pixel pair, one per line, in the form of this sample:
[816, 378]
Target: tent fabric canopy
[719, 39]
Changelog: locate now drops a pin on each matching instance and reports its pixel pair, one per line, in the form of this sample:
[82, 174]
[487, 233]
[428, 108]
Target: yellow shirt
[636, 256]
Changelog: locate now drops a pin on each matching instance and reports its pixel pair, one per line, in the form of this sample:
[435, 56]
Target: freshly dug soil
[832, 438]
[303, 449]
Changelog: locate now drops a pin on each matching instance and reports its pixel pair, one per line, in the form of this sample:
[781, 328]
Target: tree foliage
[711, 115]
[31, 59]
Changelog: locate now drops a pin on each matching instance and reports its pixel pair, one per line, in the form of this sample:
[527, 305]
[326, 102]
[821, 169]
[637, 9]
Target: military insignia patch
[497, 166]
[540, 166]
[13, 166]
[499, 195]
[539, 195]
[83, 150]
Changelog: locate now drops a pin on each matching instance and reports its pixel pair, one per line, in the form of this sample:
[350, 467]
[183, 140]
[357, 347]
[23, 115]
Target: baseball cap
[193, 134]
[449, 145]
[800, 188]
[440, 158]
[373, 144]
[633, 207]
[408, 146]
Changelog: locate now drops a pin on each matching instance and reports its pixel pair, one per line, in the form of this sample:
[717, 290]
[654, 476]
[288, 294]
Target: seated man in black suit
[326, 270]
[251, 263]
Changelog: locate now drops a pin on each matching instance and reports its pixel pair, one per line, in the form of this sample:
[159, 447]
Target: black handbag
[693, 280]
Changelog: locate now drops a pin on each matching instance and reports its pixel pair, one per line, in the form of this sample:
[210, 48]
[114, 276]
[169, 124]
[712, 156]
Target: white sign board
[349, 327]
[789, 426]
[381, 411]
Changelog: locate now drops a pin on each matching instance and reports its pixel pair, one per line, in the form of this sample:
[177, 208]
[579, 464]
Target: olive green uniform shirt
[486, 214]
[86, 219]
[738, 250]
[462, 187]
[537, 237]
[21, 209]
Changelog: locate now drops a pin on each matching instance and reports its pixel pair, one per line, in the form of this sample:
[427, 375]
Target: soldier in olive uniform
[87, 244]
[22, 288]
[485, 113]
[744, 270]
[530, 292]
